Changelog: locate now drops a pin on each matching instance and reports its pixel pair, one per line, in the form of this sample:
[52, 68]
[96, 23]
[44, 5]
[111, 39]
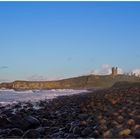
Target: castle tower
[114, 71]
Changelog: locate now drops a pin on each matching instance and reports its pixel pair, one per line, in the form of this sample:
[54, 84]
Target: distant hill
[82, 82]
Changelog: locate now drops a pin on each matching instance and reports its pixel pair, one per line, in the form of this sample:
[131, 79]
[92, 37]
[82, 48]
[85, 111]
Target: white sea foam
[11, 96]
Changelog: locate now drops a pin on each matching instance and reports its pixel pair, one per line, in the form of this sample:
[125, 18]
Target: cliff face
[83, 82]
[6, 85]
[74, 83]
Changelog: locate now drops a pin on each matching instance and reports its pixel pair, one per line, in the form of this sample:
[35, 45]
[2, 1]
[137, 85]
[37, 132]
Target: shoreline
[34, 96]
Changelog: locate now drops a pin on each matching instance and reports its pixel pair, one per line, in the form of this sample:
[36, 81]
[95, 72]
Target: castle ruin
[114, 71]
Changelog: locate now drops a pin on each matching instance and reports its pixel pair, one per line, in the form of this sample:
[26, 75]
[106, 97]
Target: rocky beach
[69, 69]
[104, 113]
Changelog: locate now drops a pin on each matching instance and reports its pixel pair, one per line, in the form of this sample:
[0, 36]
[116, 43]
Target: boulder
[16, 132]
[125, 132]
[4, 122]
[76, 130]
[32, 133]
[131, 122]
[24, 123]
[42, 130]
[83, 116]
[33, 122]
[137, 133]
[87, 131]
[107, 134]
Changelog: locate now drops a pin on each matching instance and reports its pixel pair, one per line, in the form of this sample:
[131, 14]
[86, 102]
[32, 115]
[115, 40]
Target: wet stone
[83, 123]
[136, 126]
[120, 119]
[137, 119]
[4, 122]
[131, 122]
[33, 122]
[102, 127]
[59, 134]
[76, 130]
[70, 136]
[32, 133]
[94, 134]
[4, 131]
[68, 126]
[87, 131]
[125, 132]
[107, 134]
[103, 121]
[137, 133]
[42, 130]
[83, 116]
[16, 132]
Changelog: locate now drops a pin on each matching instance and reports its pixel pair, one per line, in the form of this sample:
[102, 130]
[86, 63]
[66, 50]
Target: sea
[11, 96]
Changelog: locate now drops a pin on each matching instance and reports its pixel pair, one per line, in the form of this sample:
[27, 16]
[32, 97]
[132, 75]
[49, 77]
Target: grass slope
[82, 82]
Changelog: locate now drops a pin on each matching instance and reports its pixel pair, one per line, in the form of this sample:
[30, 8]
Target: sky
[56, 40]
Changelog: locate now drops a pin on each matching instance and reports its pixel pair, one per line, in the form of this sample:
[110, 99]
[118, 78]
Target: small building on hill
[114, 71]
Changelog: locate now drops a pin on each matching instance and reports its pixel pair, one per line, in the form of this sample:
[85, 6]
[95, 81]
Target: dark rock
[137, 133]
[76, 130]
[70, 136]
[54, 129]
[33, 122]
[74, 124]
[4, 131]
[137, 119]
[32, 133]
[45, 122]
[94, 134]
[112, 124]
[16, 132]
[15, 119]
[120, 119]
[8, 112]
[91, 120]
[68, 126]
[13, 137]
[24, 123]
[42, 130]
[4, 122]
[87, 131]
[83, 116]
[102, 127]
[59, 134]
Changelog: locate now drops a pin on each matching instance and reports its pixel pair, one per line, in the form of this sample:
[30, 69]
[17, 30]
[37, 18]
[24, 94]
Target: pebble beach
[104, 113]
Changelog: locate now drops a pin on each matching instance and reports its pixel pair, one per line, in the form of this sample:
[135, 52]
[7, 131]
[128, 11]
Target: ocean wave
[11, 96]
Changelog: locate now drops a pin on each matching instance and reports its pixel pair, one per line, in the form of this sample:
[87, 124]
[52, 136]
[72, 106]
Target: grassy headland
[82, 82]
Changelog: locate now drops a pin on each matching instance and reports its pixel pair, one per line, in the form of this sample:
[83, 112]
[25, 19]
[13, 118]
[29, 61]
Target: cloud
[136, 71]
[95, 72]
[105, 66]
[120, 71]
[105, 69]
[3, 67]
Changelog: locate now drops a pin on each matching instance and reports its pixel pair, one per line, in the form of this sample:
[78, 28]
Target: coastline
[105, 113]
[13, 96]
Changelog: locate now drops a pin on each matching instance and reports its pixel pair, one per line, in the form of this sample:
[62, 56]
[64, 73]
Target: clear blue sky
[65, 39]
